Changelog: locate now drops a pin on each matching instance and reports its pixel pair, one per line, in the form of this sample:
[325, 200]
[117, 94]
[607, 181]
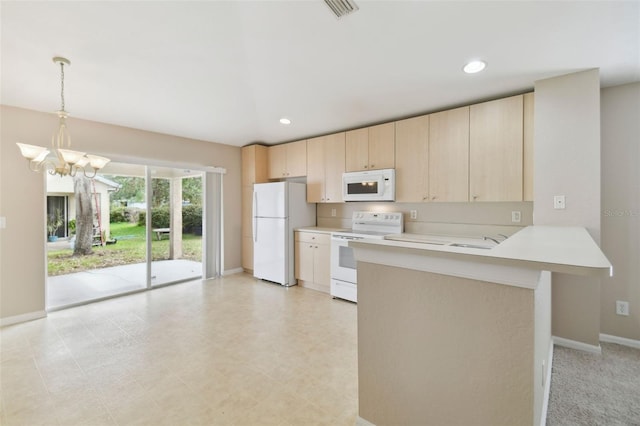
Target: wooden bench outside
[161, 231]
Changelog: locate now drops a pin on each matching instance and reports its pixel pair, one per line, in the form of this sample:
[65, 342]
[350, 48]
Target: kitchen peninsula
[462, 335]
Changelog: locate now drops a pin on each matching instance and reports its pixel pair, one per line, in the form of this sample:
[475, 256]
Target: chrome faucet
[492, 239]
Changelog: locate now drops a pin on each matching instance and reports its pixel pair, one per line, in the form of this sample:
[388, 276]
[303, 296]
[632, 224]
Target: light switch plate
[516, 216]
[3, 222]
[558, 202]
[622, 307]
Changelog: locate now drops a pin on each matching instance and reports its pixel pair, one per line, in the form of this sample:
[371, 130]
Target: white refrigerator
[278, 208]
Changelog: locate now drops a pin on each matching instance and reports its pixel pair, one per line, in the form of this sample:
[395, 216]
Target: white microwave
[372, 185]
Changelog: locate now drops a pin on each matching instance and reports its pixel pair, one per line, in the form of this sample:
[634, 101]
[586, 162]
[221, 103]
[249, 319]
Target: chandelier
[63, 161]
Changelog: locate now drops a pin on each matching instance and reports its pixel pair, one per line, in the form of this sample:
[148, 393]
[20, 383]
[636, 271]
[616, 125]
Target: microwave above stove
[372, 185]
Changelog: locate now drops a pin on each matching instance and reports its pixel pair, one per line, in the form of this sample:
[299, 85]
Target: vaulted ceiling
[226, 71]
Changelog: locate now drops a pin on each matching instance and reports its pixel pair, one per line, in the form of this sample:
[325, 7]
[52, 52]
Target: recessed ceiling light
[474, 66]
[285, 121]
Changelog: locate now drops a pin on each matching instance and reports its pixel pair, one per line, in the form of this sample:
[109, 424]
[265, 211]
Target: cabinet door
[247, 253]
[495, 150]
[449, 155]
[296, 159]
[322, 265]
[248, 164]
[382, 146]
[527, 164]
[357, 150]
[304, 252]
[277, 159]
[254, 164]
[316, 170]
[412, 159]
[247, 210]
[334, 160]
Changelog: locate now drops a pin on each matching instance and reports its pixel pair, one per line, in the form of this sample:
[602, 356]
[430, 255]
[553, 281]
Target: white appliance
[373, 185]
[278, 208]
[374, 225]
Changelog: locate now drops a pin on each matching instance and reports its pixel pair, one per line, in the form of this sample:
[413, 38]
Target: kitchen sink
[470, 246]
[438, 241]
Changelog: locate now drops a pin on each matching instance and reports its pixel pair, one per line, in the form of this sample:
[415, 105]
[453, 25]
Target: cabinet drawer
[313, 237]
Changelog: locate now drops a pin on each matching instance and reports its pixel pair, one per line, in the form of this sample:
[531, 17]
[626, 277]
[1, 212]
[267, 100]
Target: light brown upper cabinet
[449, 155]
[254, 164]
[371, 148]
[325, 165]
[495, 150]
[288, 160]
[527, 170]
[412, 159]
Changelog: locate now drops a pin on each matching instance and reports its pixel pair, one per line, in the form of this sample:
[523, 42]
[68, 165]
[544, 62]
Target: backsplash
[464, 219]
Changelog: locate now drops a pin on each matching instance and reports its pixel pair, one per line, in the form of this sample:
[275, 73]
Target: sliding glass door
[176, 225]
[147, 231]
[109, 259]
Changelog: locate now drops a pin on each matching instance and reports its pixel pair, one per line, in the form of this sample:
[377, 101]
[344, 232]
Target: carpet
[589, 389]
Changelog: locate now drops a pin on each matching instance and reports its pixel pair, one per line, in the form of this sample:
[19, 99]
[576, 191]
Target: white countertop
[319, 229]
[550, 248]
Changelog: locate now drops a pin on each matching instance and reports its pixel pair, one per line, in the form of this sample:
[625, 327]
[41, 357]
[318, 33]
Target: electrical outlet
[516, 216]
[622, 307]
[558, 202]
[333, 212]
[414, 214]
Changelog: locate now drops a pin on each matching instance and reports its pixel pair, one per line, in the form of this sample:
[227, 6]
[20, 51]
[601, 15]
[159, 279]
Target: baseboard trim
[22, 318]
[573, 344]
[620, 340]
[547, 386]
[362, 422]
[232, 271]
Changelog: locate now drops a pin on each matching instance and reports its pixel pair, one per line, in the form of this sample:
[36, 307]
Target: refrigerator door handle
[255, 219]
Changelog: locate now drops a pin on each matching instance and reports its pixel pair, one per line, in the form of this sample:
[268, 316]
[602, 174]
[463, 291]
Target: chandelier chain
[62, 84]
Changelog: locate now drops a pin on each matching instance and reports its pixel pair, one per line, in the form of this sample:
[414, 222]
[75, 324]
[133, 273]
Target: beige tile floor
[230, 351]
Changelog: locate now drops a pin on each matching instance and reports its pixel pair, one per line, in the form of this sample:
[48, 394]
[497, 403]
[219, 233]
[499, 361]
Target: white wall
[567, 162]
[621, 208]
[22, 192]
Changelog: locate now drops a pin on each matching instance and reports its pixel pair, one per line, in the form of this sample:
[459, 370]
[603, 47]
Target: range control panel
[377, 221]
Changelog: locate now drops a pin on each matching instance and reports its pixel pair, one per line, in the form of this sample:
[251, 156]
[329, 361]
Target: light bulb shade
[43, 155]
[97, 162]
[82, 162]
[69, 156]
[33, 152]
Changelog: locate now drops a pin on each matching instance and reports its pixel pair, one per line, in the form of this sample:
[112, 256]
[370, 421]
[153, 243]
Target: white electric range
[372, 225]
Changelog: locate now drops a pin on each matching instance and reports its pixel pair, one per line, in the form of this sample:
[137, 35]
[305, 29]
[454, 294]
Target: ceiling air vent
[341, 7]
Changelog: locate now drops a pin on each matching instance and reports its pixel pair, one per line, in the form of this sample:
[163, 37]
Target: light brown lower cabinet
[312, 260]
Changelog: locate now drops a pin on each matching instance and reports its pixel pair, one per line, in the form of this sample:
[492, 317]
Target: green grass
[130, 248]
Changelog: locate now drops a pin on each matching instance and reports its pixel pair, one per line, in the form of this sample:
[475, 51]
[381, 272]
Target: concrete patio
[79, 287]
